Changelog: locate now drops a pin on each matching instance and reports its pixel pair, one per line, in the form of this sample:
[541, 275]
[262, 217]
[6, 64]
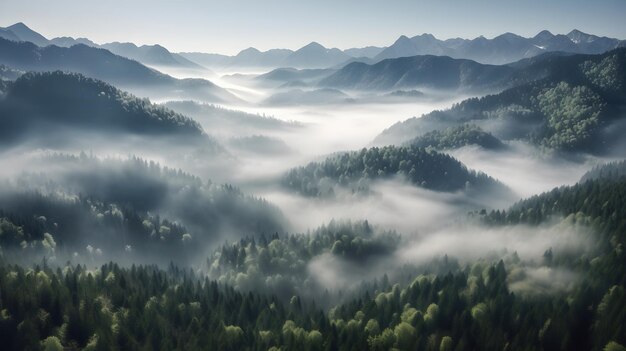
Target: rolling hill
[104, 65]
[434, 72]
[50, 104]
[353, 171]
[578, 106]
[146, 54]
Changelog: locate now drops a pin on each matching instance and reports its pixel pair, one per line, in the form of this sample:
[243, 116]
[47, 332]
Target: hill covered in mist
[353, 171]
[57, 107]
[432, 72]
[104, 65]
[434, 309]
[146, 54]
[144, 205]
[575, 108]
[454, 138]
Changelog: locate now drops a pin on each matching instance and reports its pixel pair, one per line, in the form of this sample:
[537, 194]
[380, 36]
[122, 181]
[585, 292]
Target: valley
[432, 194]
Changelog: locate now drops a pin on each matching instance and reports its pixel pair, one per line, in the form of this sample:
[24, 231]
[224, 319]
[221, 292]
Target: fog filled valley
[459, 194]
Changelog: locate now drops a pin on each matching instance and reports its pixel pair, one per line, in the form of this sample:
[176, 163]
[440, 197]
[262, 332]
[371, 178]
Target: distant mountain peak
[26, 34]
[19, 25]
[544, 35]
[402, 41]
[250, 50]
[581, 37]
[120, 44]
[576, 32]
[425, 36]
[313, 45]
[509, 36]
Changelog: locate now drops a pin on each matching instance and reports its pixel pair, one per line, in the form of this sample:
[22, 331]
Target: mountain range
[147, 54]
[49, 104]
[577, 106]
[503, 49]
[155, 55]
[424, 71]
[104, 65]
[312, 55]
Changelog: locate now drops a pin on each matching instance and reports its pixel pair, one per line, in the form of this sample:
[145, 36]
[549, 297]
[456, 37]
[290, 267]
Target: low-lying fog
[521, 247]
[256, 156]
[329, 128]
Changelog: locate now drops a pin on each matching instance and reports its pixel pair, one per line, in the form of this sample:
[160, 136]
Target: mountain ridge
[104, 65]
[574, 108]
[21, 32]
[502, 49]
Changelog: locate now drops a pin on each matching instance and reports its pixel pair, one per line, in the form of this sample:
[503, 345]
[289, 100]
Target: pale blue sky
[231, 25]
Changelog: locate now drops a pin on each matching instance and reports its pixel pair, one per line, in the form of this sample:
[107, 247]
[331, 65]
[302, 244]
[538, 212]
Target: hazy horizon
[229, 27]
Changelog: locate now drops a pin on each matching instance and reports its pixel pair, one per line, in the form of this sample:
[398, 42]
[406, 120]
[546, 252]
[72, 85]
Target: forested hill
[613, 170]
[600, 200]
[81, 201]
[574, 108]
[284, 260]
[433, 72]
[93, 62]
[34, 225]
[49, 102]
[104, 65]
[352, 171]
[456, 137]
[472, 308]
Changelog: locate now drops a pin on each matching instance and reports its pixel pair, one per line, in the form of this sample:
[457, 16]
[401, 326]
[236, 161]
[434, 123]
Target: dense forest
[279, 264]
[472, 307]
[61, 228]
[613, 170]
[572, 109]
[87, 201]
[50, 103]
[454, 138]
[353, 172]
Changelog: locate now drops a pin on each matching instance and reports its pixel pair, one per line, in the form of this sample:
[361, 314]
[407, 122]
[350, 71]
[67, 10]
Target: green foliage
[613, 346]
[454, 138]
[52, 343]
[405, 335]
[572, 115]
[606, 73]
[34, 224]
[152, 210]
[144, 307]
[446, 344]
[354, 170]
[565, 110]
[279, 264]
[612, 171]
[74, 100]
